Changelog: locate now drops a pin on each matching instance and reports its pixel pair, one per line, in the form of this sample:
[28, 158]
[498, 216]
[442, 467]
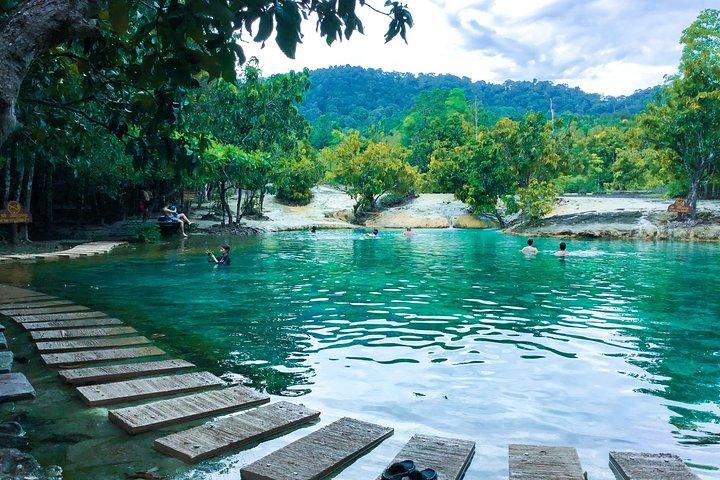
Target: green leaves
[288, 20]
[119, 15]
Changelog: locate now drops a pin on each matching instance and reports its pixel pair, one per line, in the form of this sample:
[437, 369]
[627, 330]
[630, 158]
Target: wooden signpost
[13, 214]
[680, 206]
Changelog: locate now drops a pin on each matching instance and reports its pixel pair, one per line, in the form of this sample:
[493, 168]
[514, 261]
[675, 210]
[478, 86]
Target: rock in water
[16, 465]
[12, 435]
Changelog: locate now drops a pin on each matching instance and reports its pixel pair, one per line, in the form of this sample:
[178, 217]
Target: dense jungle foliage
[97, 144]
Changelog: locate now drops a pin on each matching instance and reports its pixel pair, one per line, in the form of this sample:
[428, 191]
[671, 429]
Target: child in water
[563, 250]
[224, 256]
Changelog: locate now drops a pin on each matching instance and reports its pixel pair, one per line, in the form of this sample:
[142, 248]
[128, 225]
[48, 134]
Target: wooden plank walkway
[54, 317]
[85, 249]
[80, 332]
[649, 466]
[39, 304]
[539, 462]
[15, 387]
[90, 322]
[125, 391]
[96, 356]
[26, 298]
[44, 310]
[449, 457]
[90, 343]
[85, 375]
[152, 416]
[319, 454]
[235, 431]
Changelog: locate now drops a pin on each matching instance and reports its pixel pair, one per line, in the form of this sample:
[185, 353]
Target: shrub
[144, 232]
[295, 177]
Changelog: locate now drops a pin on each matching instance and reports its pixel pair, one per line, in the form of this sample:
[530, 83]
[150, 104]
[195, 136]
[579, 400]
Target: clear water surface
[453, 333]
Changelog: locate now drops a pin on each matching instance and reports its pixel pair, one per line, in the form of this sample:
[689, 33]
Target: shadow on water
[449, 332]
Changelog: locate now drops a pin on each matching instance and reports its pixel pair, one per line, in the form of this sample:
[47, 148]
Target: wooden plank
[85, 375]
[96, 356]
[649, 466]
[80, 332]
[40, 304]
[89, 343]
[128, 390]
[6, 361]
[90, 322]
[234, 431]
[152, 416]
[538, 462]
[26, 298]
[39, 311]
[15, 387]
[449, 457]
[319, 454]
[54, 317]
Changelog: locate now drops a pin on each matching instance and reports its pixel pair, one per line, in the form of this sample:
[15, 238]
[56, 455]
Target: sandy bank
[331, 208]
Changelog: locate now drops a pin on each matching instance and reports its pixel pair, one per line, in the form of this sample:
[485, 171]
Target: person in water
[172, 212]
[313, 229]
[529, 249]
[224, 256]
[563, 250]
[375, 233]
[408, 232]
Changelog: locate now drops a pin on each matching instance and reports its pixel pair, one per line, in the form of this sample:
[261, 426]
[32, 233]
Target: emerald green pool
[454, 333]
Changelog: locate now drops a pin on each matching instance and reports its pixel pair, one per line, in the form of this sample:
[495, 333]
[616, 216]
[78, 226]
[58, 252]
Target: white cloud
[606, 46]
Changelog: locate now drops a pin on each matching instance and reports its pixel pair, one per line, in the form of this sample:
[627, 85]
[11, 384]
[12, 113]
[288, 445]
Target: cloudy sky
[612, 47]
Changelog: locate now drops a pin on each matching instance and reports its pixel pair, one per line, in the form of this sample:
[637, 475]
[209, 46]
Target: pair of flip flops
[406, 470]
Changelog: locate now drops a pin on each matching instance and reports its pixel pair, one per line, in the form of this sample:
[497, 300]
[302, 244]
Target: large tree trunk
[27, 196]
[33, 28]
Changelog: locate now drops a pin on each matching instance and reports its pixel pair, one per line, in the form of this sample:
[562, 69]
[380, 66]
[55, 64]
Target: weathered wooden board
[6, 361]
[234, 431]
[54, 317]
[152, 416]
[319, 454]
[39, 304]
[649, 466]
[26, 298]
[125, 391]
[85, 375]
[538, 462]
[15, 387]
[43, 310]
[90, 343]
[96, 356]
[80, 333]
[449, 457]
[90, 322]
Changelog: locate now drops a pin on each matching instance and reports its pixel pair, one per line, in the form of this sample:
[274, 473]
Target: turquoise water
[454, 333]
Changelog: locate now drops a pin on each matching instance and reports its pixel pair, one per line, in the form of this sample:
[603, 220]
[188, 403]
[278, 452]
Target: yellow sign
[189, 196]
[14, 213]
[680, 206]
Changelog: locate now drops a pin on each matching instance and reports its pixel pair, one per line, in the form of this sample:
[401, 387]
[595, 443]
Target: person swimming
[408, 232]
[563, 250]
[529, 249]
[313, 229]
[374, 233]
[224, 256]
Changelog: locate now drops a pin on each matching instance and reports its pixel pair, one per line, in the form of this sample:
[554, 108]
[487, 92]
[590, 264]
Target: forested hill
[356, 97]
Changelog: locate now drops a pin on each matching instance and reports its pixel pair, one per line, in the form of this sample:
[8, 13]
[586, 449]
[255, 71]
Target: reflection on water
[448, 332]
